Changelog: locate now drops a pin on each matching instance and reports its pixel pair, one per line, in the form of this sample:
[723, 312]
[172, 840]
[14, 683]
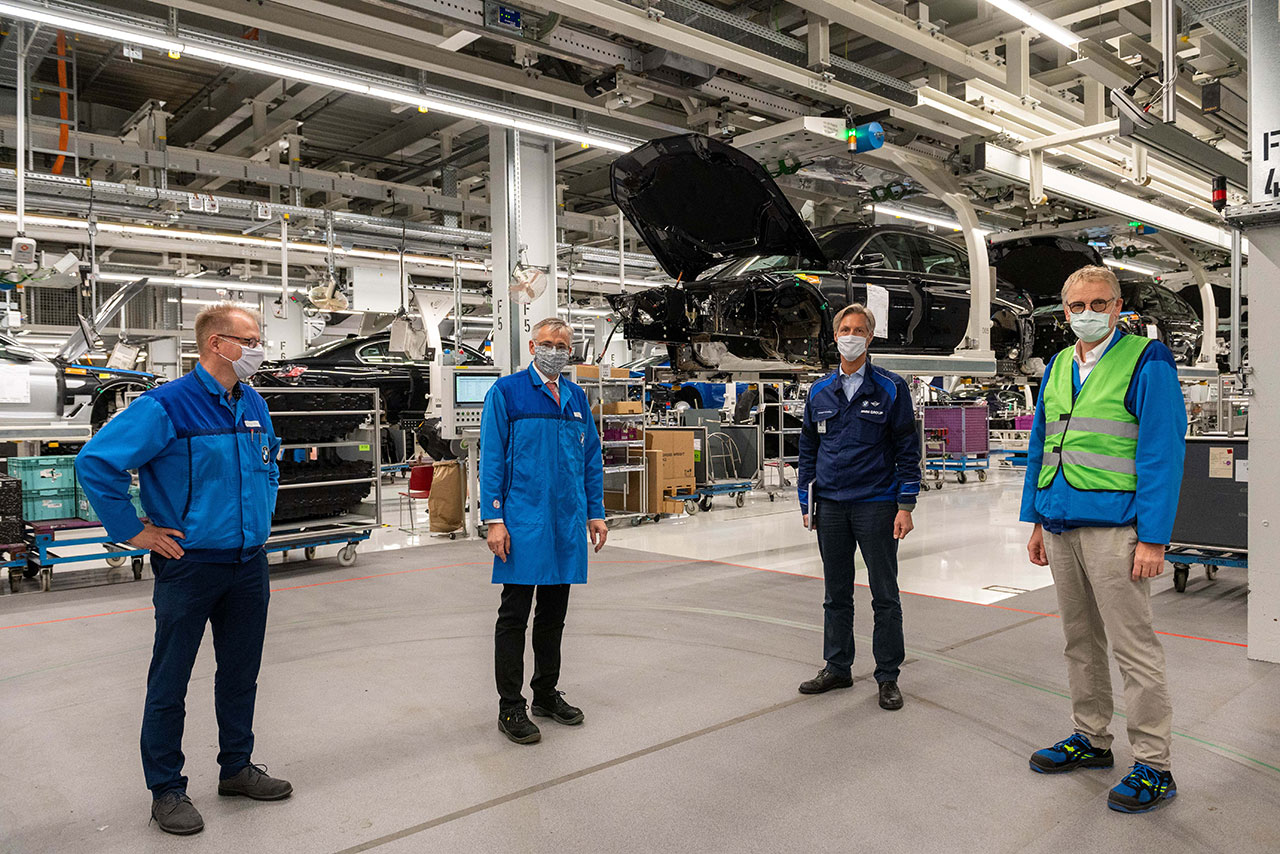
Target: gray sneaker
[253, 782]
[175, 814]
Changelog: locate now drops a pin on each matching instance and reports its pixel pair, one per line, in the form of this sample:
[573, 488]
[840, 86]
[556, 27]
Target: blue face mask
[1090, 326]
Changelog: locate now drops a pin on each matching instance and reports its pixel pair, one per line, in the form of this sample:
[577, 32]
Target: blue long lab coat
[542, 475]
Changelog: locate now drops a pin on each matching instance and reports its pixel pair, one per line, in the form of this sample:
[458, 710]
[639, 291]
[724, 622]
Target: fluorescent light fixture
[1037, 21]
[282, 68]
[1133, 267]
[193, 301]
[921, 216]
[946, 105]
[607, 280]
[190, 282]
[1018, 168]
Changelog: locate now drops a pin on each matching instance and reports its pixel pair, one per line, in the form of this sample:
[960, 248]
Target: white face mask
[248, 363]
[851, 347]
[1090, 326]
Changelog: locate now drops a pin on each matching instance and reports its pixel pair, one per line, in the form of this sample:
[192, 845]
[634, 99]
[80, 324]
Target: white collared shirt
[1091, 358]
[851, 382]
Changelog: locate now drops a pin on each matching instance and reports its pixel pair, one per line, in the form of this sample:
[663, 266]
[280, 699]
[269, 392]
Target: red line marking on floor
[704, 560]
[966, 602]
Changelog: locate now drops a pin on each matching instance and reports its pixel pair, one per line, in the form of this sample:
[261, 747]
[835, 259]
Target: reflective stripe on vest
[1091, 437]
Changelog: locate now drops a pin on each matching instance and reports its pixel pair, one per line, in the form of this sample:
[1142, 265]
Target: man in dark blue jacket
[206, 454]
[859, 477]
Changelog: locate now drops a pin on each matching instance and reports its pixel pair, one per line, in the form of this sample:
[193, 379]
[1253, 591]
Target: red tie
[555, 391]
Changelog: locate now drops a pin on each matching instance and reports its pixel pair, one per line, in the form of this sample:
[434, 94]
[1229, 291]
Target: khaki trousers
[1098, 599]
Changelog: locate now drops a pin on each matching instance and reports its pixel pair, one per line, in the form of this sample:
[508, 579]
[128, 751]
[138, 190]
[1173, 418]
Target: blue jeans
[842, 528]
[232, 597]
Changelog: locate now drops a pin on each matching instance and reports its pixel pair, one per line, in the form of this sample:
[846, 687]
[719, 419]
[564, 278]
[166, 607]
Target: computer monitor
[469, 390]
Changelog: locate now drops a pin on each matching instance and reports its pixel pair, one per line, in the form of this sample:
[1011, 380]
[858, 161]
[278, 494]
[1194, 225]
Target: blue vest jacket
[206, 461]
[864, 449]
[540, 474]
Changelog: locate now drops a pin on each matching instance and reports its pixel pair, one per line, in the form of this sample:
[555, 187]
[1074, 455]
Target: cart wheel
[740, 499]
[924, 486]
[46, 580]
[347, 554]
[1210, 571]
[961, 477]
[938, 485]
[705, 503]
[773, 496]
[115, 561]
[982, 476]
[1180, 573]
[657, 517]
[691, 506]
[454, 535]
[136, 566]
[636, 521]
[309, 553]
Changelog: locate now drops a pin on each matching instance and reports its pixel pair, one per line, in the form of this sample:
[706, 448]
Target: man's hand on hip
[599, 532]
[1035, 547]
[1148, 561]
[499, 540]
[902, 525]
[159, 540]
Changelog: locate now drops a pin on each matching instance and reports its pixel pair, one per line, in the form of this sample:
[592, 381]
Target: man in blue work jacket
[206, 459]
[859, 476]
[1104, 469]
[542, 493]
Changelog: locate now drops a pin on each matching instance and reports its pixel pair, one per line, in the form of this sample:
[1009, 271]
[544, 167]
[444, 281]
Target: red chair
[419, 487]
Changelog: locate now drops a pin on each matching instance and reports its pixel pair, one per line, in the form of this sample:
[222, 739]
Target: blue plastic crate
[39, 505]
[38, 473]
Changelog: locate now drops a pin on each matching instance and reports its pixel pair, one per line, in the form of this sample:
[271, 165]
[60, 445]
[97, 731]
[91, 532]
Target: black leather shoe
[557, 709]
[253, 782]
[825, 681]
[890, 696]
[515, 725]
[175, 814]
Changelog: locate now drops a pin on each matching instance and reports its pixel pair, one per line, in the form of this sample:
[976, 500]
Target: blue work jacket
[864, 449]
[541, 474]
[1155, 399]
[206, 461]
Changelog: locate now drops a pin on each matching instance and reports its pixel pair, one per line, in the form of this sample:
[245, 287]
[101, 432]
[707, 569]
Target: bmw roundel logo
[266, 453]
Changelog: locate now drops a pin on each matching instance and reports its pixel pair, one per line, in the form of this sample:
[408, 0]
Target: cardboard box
[657, 467]
[620, 373]
[581, 372]
[623, 407]
[678, 453]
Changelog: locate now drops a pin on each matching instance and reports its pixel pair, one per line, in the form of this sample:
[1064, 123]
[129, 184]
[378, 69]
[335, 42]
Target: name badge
[577, 415]
[249, 423]
[822, 426]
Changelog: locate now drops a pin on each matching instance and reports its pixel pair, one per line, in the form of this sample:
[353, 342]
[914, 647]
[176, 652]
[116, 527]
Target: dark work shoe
[515, 725]
[1142, 790]
[890, 696]
[175, 814]
[824, 682]
[557, 709]
[1070, 754]
[252, 782]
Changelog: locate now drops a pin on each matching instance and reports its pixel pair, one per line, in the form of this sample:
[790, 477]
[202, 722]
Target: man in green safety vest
[1103, 473]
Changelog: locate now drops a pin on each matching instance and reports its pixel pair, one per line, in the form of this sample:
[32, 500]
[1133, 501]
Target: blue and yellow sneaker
[1070, 754]
[1142, 789]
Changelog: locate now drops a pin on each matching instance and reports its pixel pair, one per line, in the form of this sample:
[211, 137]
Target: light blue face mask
[1090, 326]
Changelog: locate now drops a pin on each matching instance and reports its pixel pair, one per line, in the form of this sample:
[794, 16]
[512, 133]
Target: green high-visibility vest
[1092, 438]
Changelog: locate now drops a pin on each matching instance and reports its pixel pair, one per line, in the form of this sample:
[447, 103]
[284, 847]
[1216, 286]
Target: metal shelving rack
[308, 534]
[596, 388]
[778, 432]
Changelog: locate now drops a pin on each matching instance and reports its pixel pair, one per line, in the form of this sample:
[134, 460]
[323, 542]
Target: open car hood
[697, 202]
[1040, 265]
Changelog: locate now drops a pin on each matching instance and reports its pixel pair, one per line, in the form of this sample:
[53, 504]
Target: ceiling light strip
[1038, 22]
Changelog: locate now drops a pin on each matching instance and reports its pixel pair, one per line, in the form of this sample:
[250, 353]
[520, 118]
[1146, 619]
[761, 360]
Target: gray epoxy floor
[376, 700]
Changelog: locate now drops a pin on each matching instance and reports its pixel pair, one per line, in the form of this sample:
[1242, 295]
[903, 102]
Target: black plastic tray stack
[10, 510]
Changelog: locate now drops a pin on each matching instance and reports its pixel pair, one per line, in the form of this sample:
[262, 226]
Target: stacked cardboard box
[668, 459]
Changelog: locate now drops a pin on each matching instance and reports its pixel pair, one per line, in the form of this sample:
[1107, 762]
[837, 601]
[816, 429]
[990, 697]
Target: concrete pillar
[283, 338]
[1264, 431]
[522, 177]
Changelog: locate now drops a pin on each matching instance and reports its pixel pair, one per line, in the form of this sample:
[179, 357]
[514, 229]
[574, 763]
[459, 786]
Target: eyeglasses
[561, 348]
[1094, 305]
[252, 343]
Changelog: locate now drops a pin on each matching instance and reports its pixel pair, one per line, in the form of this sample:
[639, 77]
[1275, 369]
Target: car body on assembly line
[756, 289]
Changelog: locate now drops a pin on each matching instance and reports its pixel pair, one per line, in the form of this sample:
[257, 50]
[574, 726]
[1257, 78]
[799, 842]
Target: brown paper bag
[446, 503]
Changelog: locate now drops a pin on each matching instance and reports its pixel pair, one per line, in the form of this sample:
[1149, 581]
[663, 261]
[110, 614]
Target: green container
[40, 505]
[41, 473]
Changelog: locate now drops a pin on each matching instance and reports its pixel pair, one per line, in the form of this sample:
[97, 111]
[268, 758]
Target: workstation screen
[469, 389]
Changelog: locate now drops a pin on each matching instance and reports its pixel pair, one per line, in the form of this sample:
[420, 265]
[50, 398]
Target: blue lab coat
[542, 475]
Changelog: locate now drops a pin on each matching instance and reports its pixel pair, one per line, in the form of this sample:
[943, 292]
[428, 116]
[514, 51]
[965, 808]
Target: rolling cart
[13, 559]
[43, 538]
[965, 435]
[700, 498]
[1212, 524]
[1184, 557]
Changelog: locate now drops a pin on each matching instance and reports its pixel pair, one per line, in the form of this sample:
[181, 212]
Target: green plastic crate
[85, 511]
[39, 505]
[39, 473]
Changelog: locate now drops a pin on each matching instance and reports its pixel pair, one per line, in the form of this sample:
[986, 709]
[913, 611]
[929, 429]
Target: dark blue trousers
[232, 597]
[868, 526]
